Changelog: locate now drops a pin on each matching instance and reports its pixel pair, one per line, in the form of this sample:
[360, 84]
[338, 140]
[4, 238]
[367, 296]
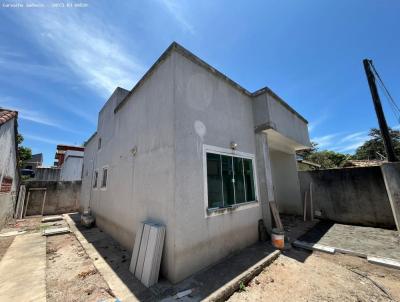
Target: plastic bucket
[278, 238]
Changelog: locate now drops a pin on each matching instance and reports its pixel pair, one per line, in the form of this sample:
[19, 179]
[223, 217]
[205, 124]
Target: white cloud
[326, 140]
[313, 124]
[347, 143]
[89, 47]
[24, 113]
[175, 8]
[45, 140]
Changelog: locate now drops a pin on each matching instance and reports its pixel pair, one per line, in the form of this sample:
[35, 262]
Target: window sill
[233, 208]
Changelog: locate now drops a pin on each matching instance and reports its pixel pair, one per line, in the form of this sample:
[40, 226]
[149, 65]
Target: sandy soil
[5, 242]
[71, 275]
[301, 276]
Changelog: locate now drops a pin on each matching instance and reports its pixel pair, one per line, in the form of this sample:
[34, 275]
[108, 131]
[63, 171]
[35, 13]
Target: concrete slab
[23, 269]
[56, 231]
[52, 218]
[385, 262]
[361, 241]
[314, 247]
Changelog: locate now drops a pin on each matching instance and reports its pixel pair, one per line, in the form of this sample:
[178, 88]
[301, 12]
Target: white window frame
[97, 180]
[210, 212]
[102, 176]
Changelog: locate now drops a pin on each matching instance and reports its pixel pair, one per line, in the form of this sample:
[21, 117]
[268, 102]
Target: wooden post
[27, 202]
[44, 201]
[311, 203]
[305, 206]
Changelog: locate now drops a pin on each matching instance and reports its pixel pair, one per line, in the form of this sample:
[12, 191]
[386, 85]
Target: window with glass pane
[239, 180]
[96, 174]
[214, 181]
[227, 179]
[230, 180]
[248, 176]
[104, 180]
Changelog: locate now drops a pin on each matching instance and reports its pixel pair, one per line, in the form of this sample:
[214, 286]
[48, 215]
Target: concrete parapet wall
[61, 197]
[349, 195]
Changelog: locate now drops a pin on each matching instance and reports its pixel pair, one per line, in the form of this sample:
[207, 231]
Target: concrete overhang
[287, 129]
[279, 142]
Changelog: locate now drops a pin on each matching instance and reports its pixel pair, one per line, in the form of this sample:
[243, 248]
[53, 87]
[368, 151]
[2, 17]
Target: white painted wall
[153, 150]
[208, 111]
[140, 184]
[89, 165]
[274, 114]
[71, 169]
[286, 182]
[8, 167]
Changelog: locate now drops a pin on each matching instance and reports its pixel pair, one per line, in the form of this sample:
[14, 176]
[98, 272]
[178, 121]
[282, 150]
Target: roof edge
[89, 139]
[279, 99]
[189, 55]
[163, 56]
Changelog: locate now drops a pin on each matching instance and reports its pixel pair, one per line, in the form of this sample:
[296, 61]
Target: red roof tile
[6, 115]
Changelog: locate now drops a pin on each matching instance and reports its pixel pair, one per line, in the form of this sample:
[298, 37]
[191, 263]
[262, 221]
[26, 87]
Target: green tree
[327, 159]
[24, 153]
[374, 146]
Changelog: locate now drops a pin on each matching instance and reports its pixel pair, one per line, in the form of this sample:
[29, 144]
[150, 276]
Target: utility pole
[379, 112]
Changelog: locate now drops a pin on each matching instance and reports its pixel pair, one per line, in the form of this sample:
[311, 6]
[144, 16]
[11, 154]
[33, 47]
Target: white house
[9, 177]
[71, 168]
[192, 149]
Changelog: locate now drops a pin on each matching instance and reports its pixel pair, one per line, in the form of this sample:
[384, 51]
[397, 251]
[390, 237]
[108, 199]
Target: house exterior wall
[286, 182]
[138, 149]
[89, 165]
[153, 147]
[208, 112]
[8, 167]
[272, 113]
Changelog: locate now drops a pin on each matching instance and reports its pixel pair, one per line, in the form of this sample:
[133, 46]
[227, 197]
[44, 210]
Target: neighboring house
[71, 167]
[35, 161]
[9, 177]
[362, 163]
[67, 165]
[30, 166]
[190, 148]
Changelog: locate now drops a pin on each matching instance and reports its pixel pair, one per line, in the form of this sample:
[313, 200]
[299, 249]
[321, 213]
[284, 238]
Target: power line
[392, 102]
[393, 106]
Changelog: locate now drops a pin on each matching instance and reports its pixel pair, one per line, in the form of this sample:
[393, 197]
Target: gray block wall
[61, 197]
[350, 195]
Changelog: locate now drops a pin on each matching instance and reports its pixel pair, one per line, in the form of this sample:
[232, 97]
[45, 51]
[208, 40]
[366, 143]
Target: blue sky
[58, 66]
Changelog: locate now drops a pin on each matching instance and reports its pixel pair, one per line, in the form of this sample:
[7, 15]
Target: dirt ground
[70, 273]
[298, 275]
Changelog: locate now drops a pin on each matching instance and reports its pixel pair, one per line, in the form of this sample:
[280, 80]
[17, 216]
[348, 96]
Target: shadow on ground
[202, 283]
[298, 229]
